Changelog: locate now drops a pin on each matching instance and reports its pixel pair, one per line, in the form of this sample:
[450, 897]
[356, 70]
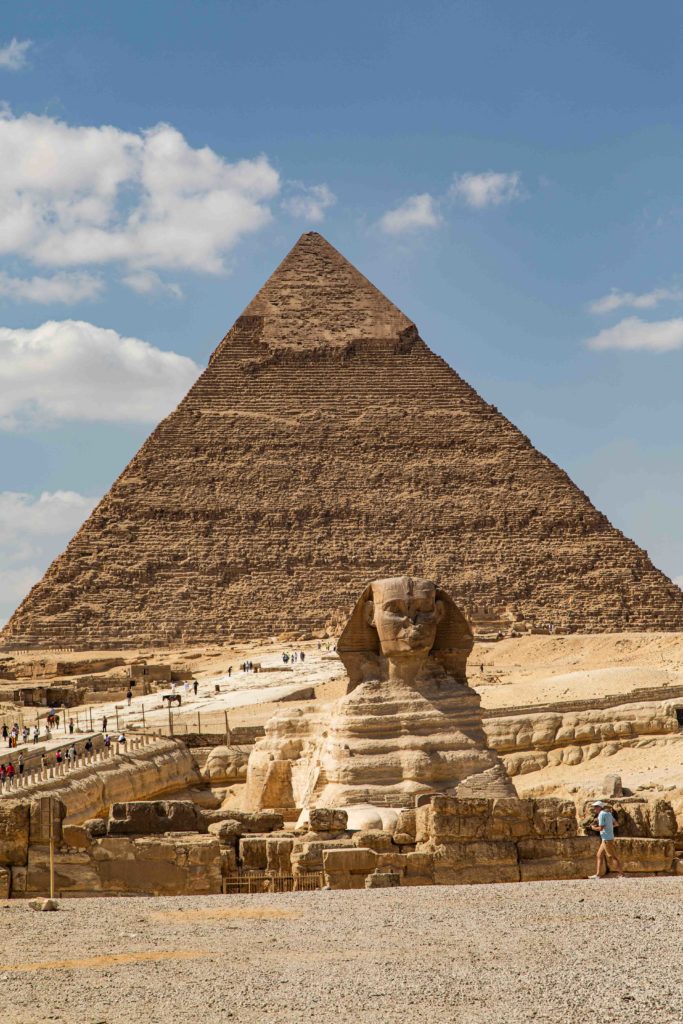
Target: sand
[543, 952]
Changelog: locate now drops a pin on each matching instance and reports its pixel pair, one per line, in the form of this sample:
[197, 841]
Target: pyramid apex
[317, 296]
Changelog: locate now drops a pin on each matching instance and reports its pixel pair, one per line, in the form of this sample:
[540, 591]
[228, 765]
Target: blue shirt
[606, 823]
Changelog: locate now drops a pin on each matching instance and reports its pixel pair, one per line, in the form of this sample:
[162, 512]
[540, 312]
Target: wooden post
[170, 720]
[90, 715]
[199, 724]
[52, 853]
[227, 729]
[143, 717]
[116, 712]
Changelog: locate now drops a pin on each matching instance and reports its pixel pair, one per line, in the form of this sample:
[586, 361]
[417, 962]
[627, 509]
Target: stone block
[41, 808]
[279, 856]
[14, 831]
[382, 880]
[95, 827]
[76, 837]
[374, 839]
[227, 832]
[555, 818]
[152, 817]
[419, 869]
[348, 867]
[251, 821]
[570, 857]
[5, 883]
[645, 856]
[252, 853]
[404, 833]
[475, 861]
[327, 819]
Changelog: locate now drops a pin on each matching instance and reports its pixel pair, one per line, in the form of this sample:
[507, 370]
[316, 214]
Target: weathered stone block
[251, 821]
[571, 857]
[347, 868]
[374, 839]
[95, 827]
[644, 856]
[327, 819]
[479, 861]
[42, 809]
[279, 856]
[253, 854]
[152, 817]
[5, 883]
[14, 831]
[382, 880]
[404, 833]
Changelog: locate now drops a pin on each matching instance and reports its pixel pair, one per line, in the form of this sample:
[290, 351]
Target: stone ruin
[172, 847]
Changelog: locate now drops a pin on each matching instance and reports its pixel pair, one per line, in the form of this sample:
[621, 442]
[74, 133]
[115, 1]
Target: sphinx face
[405, 613]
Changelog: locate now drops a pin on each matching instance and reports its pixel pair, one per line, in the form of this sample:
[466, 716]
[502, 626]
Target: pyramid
[325, 445]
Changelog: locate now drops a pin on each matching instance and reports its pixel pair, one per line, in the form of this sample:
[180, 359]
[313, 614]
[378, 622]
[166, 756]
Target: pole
[170, 720]
[52, 854]
[199, 724]
[227, 730]
[116, 712]
[143, 717]
[90, 714]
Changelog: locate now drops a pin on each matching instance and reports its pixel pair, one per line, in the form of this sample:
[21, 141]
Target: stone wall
[447, 842]
[530, 742]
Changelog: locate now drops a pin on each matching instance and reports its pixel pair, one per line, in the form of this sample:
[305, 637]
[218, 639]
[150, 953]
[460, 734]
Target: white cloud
[633, 335]
[309, 202]
[72, 196]
[72, 370]
[13, 56]
[148, 282]
[491, 188]
[62, 287]
[645, 300]
[32, 531]
[416, 212]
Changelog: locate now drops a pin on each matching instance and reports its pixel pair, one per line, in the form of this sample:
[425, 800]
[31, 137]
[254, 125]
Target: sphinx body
[408, 724]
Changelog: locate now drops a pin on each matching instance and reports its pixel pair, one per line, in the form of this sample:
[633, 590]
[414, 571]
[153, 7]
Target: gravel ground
[546, 951]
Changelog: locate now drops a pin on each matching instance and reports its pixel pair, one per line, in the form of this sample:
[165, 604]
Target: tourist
[107, 741]
[88, 746]
[302, 655]
[3, 774]
[229, 671]
[605, 827]
[104, 723]
[20, 764]
[129, 697]
[5, 732]
[25, 733]
[186, 688]
[71, 754]
[195, 686]
[58, 757]
[10, 772]
[71, 726]
[121, 740]
[36, 733]
[56, 721]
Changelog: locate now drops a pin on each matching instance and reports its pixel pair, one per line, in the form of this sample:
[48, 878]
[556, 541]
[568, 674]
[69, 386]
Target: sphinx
[408, 724]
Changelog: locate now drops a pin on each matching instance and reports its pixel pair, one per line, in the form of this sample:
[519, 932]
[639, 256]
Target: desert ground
[543, 952]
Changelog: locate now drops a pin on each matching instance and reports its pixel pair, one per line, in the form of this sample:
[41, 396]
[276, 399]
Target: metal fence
[246, 882]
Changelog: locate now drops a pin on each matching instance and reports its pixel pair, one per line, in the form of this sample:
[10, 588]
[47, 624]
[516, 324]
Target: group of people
[293, 657]
[11, 735]
[8, 772]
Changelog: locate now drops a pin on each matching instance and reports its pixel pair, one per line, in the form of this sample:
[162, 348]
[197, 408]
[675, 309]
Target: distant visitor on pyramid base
[409, 723]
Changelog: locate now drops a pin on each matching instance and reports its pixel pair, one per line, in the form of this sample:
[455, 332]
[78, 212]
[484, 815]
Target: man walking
[605, 827]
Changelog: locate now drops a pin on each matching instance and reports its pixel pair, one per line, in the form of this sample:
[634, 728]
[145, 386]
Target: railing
[245, 882]
[38, 776]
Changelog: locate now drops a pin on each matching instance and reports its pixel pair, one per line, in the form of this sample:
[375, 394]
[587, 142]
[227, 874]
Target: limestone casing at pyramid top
[316, 296]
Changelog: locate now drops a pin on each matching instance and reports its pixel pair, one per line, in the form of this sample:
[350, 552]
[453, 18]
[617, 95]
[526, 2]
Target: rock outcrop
[325, 445]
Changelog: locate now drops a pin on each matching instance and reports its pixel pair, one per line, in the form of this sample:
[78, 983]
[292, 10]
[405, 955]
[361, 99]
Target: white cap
[598, 803]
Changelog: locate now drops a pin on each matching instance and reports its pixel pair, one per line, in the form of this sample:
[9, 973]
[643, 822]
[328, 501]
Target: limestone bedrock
[408, 724]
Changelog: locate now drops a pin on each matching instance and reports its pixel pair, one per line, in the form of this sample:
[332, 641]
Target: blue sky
[509, 174]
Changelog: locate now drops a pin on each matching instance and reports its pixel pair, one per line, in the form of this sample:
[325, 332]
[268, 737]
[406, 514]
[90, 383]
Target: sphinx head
[400, 622]
[406, 613]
